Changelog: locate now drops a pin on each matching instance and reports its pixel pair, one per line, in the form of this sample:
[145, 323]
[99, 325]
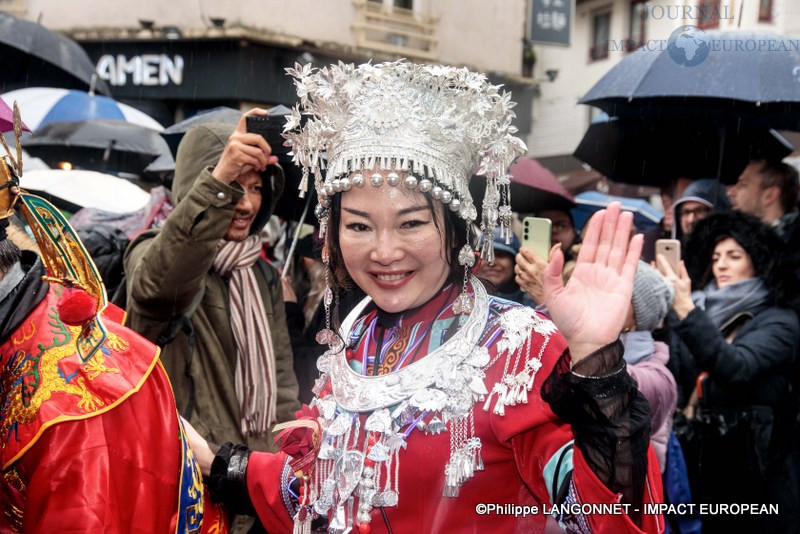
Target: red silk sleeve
[591, 490]
[266, 484]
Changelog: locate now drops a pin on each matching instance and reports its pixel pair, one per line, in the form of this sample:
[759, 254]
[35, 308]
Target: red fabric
[264, 486]
[114, 313]
[515, 449]
[591, 490]
[97, 446]
[76, 307]
[115, 370]
[108, 473]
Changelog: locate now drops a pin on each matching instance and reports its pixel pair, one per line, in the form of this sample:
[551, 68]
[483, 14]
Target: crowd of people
[439, 364]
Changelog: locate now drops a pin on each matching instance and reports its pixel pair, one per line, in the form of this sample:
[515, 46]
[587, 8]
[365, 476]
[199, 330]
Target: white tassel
[303, 187]
[502, 393]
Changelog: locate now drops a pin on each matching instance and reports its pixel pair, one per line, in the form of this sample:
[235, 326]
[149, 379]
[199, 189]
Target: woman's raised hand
[683, 303]
[591, 309]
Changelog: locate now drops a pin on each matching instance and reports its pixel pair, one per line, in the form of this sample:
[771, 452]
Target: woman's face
[501, 272]
[730, 263]
[391, 245]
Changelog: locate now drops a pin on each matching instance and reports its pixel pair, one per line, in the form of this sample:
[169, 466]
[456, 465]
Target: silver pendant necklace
[446, 383]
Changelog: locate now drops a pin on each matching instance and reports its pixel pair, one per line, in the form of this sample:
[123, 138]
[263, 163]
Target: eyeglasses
[697, 212]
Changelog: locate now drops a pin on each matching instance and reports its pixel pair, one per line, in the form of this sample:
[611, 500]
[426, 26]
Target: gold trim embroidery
[33, 379]
[24, 336]
[13, 513]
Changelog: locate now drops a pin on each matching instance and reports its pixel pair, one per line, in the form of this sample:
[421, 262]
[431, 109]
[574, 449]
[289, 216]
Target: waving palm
[590, 311]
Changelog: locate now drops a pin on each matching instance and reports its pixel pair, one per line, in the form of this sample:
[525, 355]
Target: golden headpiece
[65, 258]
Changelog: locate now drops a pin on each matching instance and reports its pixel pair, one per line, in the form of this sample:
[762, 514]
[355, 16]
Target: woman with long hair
[438, 405]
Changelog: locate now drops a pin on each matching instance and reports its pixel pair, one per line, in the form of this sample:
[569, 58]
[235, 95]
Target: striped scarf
[254, 379]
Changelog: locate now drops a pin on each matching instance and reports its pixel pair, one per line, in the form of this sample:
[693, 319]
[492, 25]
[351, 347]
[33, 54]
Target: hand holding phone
[668, 253]
[671, 250]
[243, 152]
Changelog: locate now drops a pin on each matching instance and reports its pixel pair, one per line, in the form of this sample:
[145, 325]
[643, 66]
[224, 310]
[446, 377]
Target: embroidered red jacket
[94, 446]
[521, 450]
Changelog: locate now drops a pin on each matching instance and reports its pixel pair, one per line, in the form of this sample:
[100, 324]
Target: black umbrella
[654, 152]
[105, 145]
[35, 56]
[218, 115]
[728, 78]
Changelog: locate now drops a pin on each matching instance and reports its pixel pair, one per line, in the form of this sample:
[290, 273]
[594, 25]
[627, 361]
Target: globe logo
[688, 46]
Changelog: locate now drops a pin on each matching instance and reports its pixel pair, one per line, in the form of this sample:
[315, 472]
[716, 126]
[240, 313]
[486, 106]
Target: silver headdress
[437, 125]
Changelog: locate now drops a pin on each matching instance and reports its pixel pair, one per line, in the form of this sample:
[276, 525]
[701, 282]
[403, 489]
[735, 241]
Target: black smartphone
[270, 127]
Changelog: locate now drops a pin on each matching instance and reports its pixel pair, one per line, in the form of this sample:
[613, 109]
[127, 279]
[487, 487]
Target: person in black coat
[735, 343]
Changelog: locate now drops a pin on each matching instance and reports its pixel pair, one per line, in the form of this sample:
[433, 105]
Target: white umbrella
[86, 189]
[41, 105]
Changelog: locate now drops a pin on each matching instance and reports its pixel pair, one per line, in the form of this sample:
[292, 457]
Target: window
[636, 23]
[601, 27]
[765, 11]
[388, 5]
[708, 13]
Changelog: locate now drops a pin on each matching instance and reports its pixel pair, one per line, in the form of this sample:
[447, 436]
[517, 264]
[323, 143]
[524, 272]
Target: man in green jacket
[198, 288]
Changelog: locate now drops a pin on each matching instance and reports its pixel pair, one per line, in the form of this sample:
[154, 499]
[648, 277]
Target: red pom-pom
[76, 307]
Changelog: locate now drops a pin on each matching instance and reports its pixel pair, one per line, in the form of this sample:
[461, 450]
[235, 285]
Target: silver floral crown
[438, 125]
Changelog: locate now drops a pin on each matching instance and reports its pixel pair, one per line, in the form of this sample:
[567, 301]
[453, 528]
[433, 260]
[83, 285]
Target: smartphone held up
[270, 127]
[536, 232]
[670, 249]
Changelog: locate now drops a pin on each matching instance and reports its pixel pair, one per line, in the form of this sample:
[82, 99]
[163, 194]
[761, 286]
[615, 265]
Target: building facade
[603, 33]
[173, 58]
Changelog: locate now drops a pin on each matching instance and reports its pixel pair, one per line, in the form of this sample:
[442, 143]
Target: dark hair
[454, 234]
[9, 255]
[760, 242]
[785, 178]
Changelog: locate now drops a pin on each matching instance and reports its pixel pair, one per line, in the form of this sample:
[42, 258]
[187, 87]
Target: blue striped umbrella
[42, 105]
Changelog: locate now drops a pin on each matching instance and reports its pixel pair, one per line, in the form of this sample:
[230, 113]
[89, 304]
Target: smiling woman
[391, 246]
[435, 397]
[409, 210]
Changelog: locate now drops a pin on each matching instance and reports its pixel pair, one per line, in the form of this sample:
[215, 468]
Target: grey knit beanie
[652, 297]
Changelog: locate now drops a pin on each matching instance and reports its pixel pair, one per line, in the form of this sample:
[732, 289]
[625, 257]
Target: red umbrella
[533, 188]
[7, 118]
